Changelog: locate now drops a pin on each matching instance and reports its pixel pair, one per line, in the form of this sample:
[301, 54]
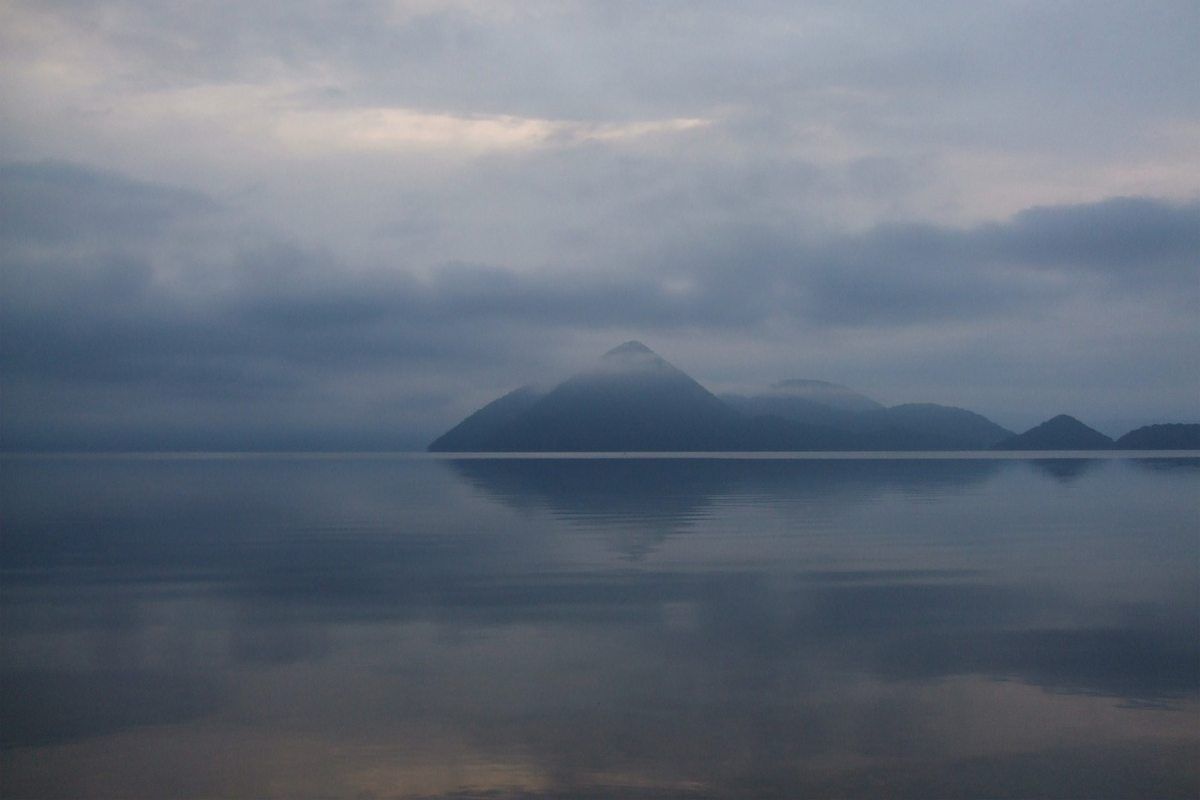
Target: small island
[633, 400]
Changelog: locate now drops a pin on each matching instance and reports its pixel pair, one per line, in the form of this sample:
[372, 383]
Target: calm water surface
[662, 628]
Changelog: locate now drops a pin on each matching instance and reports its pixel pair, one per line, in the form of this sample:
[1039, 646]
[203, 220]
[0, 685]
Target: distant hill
[1060, 433]
[802, 410]
[807, 402]
[634, 400]
[929, 426]
[912, 426]
[1171, 436]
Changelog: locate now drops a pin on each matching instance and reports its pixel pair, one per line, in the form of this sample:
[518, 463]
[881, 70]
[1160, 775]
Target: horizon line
[740, 455]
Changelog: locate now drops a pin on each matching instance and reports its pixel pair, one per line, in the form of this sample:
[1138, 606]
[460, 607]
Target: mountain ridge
[1163, 436]
[631, 399]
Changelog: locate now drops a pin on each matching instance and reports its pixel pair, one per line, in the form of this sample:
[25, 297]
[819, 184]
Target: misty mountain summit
[633, 351]
[632, 399]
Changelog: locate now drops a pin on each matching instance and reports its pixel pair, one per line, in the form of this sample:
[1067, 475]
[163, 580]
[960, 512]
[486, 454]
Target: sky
[318, 225]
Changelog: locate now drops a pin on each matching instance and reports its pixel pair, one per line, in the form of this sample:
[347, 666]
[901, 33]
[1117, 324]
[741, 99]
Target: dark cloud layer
[57, 203]
[1133, 238]
[107, 312]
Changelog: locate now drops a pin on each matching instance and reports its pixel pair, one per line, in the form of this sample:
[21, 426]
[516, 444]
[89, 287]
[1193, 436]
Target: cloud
[1133, 238]
[334, 222]
[118, 308]
[54, 202]
[406, 129]
[1001, 108]
[1026, 264]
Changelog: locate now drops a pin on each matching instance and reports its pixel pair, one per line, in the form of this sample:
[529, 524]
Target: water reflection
[599, 628]
[641, 502]
[1066, 470]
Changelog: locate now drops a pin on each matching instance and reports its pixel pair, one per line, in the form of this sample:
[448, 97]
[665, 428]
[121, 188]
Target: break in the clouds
[226, 225]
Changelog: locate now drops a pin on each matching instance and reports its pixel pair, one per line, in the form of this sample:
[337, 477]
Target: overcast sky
[346, 225]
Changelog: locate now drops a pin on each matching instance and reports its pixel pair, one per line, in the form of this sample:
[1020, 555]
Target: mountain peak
[633, 400]
[629, 359]
[630, 348]
[1063, 422]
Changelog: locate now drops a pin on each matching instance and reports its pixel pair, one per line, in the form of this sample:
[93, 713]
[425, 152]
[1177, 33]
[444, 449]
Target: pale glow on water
[644, 627]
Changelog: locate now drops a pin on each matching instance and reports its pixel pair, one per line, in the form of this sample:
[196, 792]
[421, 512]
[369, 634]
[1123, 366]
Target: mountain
[912, 426]
[808, 402]
[929, 426]
[1060, 433]
[1172, 436]
[795, 409]
[488, 422]
[631, 400]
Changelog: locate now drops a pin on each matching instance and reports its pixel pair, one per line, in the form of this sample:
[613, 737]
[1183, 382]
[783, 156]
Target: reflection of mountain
[1066, 470]
[638, 501]
[1180, 465]
[660, 496]
[381, 595]
[599, 491]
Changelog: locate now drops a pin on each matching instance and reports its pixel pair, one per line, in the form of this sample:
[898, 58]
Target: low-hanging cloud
[56, 203]
[105, 321]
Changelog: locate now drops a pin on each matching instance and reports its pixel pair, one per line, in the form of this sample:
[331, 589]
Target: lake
[407, 626]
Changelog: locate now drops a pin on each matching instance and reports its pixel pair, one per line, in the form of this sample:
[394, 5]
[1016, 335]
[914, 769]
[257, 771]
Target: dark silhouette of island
[911, 426]
[633, 400]
[1170, 436]
[1058, 433]
[488, 422]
